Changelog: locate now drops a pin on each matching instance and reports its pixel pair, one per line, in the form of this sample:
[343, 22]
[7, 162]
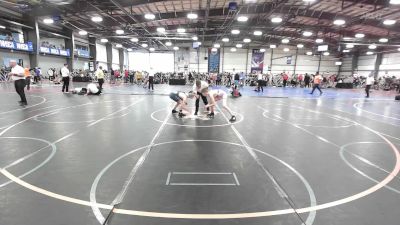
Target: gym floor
[290, 158]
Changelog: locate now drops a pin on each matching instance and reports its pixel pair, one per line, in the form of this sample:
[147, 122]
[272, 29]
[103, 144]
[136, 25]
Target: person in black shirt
[307, 80]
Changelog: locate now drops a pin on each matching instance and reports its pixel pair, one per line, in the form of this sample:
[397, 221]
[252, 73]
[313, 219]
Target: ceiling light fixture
[192, 16]
[394, 2]
[319, 40]
[149, 16]
[225, 39]
[134, 39]
[176, 48]
[247, 40]
[217, 45]
[326, 53]
[349, 46]
[383, 40]
[285, 41]
[347, 38]
[370, 53]
[152, 49]
[97, 19]
[286, 49]
[338, 63]
[168, 43]
[235, 31]
[119, 32]
[373, 46]
[214, 49]
[234, 50]
[309, 53]
[129, 49]
[262, 50]
[118, 45]
[346, 50]
[276, 20]
[161, 29]
[359, 35]
[144, 45]
[2, 27]
[242, 18]
[103, 40]
[307, 33]
[300, 46]
[239, 45]
[272, 46]
[257, 33]
[48, 21]
[82, 32]
[181, 30]
[195, 38]
[339, 22]
[389, 22]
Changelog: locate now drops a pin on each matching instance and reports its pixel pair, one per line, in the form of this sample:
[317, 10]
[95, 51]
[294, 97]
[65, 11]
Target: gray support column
[92, 49]
[247, 60]
[198, 60]
[378, 62]
[222, 60]
[354, 62]
[109, 56]
[33, 36]
[295, 61]
[272, 55]
[70, 44]
[121, 59]
[319, 62]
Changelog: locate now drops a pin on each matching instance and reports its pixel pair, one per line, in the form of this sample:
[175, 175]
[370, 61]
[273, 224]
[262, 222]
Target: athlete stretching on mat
[198, 88]
[181, 101]
[216, 95]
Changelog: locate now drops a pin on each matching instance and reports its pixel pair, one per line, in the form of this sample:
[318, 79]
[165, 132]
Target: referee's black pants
[19, 88]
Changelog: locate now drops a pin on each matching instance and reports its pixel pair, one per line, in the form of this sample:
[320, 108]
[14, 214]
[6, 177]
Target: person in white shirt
[65, 78]
[151, 79]
[198, 88]
[217, 95]
[369, 82]
[17, 74]
[100, 76]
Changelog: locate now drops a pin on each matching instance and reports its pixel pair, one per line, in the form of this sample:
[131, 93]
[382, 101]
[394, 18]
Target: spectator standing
[317, 82]
[151, 79]
[65, 78]
[369, 82]
[307, 80]
[17, 74]
[27, 74]
[285, 78]
[100, 77]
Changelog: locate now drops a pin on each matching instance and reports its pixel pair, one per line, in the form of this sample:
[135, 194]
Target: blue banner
[16, 46]
[83, 53]
[257, 61]
[54, 51]
[213, 61]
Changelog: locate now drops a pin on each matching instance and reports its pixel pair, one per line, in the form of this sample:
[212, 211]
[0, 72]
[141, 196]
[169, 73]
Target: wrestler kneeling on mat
[181, 101]
[216, 95]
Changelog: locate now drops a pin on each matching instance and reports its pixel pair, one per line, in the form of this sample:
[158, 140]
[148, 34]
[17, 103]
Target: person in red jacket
[285, 79]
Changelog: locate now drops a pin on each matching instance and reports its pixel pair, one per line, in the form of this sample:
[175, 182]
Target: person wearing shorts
[198, 88]
[217, 95]
[181, 101]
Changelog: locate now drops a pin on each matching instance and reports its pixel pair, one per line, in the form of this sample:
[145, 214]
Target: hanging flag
[257, 61]
[213, 61]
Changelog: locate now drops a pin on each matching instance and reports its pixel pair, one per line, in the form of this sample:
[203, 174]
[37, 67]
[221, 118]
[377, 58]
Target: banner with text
[16, 46]
[213, 61]
[257, 61]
